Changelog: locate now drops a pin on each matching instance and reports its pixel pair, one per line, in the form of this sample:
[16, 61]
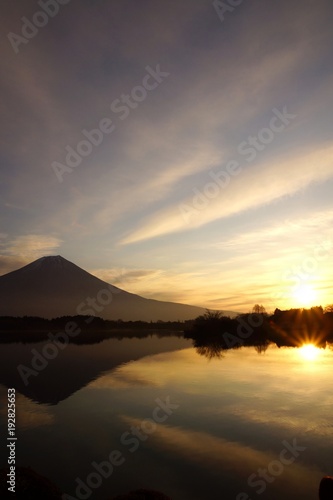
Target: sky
[181, 150]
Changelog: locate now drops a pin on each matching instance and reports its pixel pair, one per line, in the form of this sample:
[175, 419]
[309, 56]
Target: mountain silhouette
[52, 286]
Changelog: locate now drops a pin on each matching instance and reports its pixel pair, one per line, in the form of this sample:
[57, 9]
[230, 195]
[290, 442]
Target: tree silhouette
[258, 309]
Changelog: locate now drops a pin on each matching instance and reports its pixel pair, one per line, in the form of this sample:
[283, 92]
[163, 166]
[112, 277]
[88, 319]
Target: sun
[309, 352]
[305, 295]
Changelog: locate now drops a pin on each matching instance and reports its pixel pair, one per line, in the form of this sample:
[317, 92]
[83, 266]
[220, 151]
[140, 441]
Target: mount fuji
[53, 286]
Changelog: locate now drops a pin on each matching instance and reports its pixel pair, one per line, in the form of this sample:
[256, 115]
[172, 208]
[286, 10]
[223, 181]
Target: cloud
[144, 187]
[290, 229]
[253, 188]
[124, 276]
[158, 284]
[32, 246]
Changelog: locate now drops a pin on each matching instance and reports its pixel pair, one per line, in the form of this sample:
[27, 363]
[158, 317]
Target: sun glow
[305, 295]
[309, 352]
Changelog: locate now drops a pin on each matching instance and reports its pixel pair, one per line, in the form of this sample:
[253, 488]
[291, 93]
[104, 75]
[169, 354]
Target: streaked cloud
[253, 188]
[290, 229]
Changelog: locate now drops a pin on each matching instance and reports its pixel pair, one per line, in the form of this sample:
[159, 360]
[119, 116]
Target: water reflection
[235, 408]
[75, 366]
[214, 349]
[262, 348]
[210, 351]
[310, 352]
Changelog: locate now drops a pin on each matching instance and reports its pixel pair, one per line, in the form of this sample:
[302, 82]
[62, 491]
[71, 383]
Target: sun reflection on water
[309, 352]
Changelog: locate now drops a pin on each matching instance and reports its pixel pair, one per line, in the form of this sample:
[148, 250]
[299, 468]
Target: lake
[156, 412]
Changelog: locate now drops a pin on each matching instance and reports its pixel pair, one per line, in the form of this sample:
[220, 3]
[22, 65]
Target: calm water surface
[230, 417]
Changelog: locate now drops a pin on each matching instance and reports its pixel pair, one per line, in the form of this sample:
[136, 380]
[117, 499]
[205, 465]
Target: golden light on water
[309, 352]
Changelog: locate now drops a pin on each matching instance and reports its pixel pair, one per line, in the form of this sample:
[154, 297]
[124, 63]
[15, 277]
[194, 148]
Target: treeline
[92, 328]
[288, 328]
[85, 323]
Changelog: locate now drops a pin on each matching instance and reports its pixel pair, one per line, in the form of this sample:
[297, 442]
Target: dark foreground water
[157, 413]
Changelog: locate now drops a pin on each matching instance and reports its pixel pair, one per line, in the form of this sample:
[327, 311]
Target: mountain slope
[53, 286]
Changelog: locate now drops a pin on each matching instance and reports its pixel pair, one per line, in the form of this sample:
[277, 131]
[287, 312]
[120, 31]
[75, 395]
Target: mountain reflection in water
[235, 409]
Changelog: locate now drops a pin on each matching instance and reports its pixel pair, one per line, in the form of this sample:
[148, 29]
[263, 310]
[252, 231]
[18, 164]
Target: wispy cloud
[32, 246]
[253, 188]
[159, 284]
[125, 276]
[308, 227]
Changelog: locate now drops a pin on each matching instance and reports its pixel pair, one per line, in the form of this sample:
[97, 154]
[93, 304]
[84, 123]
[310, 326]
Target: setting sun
[309, 352]
[305, 295]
